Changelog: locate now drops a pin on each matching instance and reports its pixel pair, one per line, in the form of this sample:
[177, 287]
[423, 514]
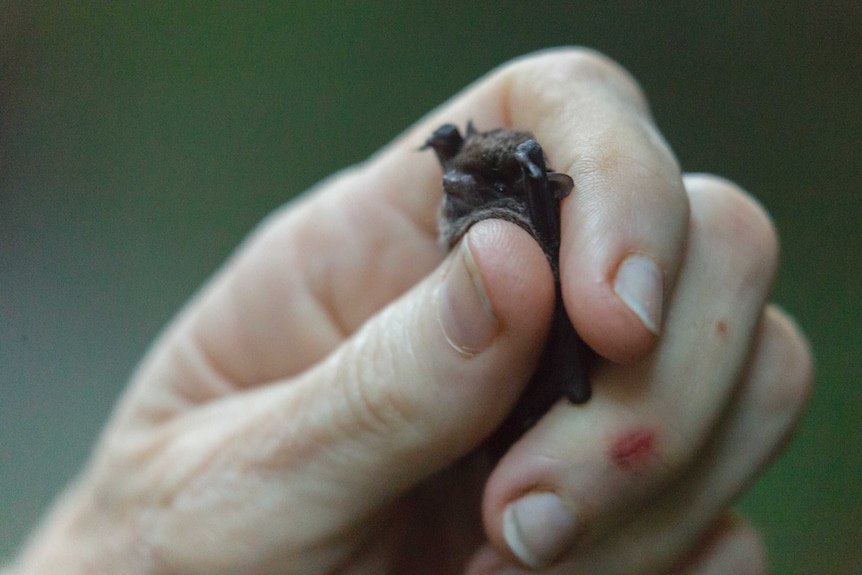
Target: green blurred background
[138, 146]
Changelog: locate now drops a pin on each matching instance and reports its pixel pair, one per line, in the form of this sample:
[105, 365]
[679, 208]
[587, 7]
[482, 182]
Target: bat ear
[561, 184]
[471, 129]
[446, 141]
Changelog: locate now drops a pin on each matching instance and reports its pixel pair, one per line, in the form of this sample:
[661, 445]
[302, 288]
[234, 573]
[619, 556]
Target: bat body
[503, 174]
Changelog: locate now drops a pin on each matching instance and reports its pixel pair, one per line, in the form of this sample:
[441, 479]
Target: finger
[440, 355]
[583, 469]
[419, 386]
[430, 377]
[624, 227]
[732, 546]
[769, 403]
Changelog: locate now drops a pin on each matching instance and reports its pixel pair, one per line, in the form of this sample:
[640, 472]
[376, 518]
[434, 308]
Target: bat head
[491, 174]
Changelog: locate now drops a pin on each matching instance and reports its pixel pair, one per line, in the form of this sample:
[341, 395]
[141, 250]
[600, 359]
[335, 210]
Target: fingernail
[538, 528]
[463, 308]
[639, 285]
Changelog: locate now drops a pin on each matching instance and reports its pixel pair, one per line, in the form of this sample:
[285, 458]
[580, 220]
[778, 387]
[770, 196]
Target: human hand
[311, 409]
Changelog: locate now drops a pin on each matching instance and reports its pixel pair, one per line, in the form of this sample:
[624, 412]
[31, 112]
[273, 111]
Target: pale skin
[309, 411]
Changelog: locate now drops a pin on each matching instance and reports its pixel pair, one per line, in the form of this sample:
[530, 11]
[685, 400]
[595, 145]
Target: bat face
[497, 174]
[503, 174]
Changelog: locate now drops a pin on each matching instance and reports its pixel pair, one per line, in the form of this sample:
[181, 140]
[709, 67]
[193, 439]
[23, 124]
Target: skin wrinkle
[270, 447]
[194, 362]
[380, 413]
[411, 351]
[181, 372]
[412, 251]
[196, 333]
[312, 237]
[243, 308]
[422, 218]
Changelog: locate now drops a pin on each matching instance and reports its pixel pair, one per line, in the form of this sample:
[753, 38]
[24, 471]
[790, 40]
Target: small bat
[503, 174]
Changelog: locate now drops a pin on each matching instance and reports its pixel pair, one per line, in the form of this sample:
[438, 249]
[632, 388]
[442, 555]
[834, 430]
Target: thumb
[430, 376]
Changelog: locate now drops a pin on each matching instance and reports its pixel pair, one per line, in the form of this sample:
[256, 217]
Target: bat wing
[543, 190]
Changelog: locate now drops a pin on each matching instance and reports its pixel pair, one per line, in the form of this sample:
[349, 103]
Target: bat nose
[459, 185]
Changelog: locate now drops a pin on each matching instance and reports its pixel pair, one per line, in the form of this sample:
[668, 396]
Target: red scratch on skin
[633, 449]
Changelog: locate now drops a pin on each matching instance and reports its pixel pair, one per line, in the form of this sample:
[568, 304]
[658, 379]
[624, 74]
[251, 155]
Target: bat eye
[501, 188]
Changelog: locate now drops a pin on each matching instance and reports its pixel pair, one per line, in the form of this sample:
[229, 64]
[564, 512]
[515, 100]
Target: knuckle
[586, 64]
[374, 404]
[581, 61]
[750, 551]
[632, 157]
[794, 381]
[731, 546]
[570, 74]
[735, 222]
